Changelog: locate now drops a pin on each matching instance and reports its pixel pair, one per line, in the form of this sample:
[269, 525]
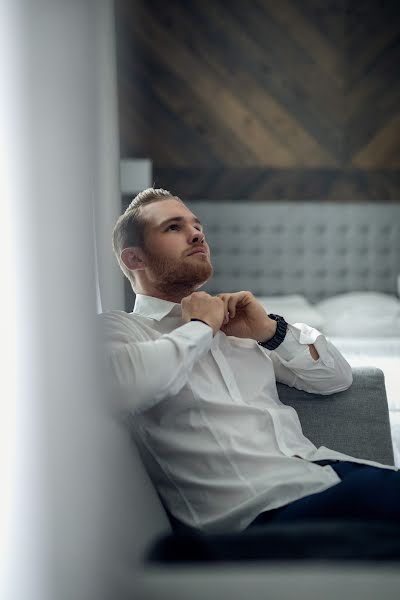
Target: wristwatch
[280, 333]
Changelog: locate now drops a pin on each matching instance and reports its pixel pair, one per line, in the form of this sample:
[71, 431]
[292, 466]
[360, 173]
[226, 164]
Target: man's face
[173, 240]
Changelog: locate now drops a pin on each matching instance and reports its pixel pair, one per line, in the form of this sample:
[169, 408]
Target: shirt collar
[155, 308]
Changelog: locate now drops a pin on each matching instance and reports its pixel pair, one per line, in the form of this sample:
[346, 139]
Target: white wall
[107, 194]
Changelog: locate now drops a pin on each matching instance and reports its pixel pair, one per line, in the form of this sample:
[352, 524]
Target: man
[199, 375]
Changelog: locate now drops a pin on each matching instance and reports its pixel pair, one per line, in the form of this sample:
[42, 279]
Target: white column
[55, 431]
[24, 535]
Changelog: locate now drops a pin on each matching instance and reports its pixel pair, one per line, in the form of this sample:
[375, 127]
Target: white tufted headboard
[308, 248]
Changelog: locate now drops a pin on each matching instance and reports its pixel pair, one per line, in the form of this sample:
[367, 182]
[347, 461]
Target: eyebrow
[180, 219]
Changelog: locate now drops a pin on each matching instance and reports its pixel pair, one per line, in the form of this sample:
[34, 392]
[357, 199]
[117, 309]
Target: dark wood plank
[329, 17]
[274, 67]
[278, 123]
[218, 99]
[319, 185]
[372, 104]
[384, 148]
[263, 100]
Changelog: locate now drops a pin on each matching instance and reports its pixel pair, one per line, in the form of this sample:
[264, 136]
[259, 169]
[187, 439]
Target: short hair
[130, 226]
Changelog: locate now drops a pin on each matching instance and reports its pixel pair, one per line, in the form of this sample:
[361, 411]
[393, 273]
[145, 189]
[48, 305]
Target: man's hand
[246, 318]
[201, 305]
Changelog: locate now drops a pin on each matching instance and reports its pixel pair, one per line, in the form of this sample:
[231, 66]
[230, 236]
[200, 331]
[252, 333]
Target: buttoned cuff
[295, 346]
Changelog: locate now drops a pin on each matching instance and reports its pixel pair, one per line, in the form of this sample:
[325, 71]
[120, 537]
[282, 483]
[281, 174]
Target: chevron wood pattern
[296, 99]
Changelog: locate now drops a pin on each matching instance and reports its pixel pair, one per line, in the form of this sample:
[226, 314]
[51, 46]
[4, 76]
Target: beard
[171, 275]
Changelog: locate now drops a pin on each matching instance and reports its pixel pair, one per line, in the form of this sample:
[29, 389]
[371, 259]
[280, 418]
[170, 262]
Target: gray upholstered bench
[355, 421]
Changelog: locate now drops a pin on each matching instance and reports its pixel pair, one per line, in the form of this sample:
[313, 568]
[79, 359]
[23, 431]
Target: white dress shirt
[217, 442]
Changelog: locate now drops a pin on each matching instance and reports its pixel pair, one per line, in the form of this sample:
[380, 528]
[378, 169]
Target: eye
[173, 227]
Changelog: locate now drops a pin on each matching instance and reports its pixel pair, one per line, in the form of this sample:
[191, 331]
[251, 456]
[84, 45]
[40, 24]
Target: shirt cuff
[295, 344]
[198, 330]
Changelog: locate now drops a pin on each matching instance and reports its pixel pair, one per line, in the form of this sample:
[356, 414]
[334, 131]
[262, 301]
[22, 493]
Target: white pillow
[294, 308]
[361, 314]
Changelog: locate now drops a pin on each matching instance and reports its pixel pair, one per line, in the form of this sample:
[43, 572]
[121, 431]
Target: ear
[133, 258]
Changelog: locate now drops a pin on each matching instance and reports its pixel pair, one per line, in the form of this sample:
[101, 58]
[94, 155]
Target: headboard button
[342, 272]
[257, 273]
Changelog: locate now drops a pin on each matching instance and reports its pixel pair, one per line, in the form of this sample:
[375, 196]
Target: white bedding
[295, 308]
[375, 352]
[360, 314]
[353, 314]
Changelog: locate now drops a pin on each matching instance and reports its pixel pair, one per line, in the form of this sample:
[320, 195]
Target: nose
[198, 237]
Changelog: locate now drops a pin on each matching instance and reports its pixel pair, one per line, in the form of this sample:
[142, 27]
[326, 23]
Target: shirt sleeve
[141, 373]
[294, 365]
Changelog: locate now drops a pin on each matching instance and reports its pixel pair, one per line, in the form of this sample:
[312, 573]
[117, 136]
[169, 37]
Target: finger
[226, 318]
[244, 298]
[225, 300]
[232, 303]
[236, 300]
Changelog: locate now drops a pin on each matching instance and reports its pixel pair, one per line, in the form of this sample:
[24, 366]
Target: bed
[335, 266]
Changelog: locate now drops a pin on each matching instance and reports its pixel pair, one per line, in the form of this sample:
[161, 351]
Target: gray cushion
[355, 421]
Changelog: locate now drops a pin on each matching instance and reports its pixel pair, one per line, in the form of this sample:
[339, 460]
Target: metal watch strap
[280, 333]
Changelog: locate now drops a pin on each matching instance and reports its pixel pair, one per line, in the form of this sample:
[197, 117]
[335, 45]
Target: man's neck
[171, 295]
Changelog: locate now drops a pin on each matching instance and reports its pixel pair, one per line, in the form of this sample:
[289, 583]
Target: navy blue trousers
[364, 492]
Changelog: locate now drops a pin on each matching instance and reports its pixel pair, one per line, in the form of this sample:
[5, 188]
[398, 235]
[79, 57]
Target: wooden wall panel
[260, 100]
